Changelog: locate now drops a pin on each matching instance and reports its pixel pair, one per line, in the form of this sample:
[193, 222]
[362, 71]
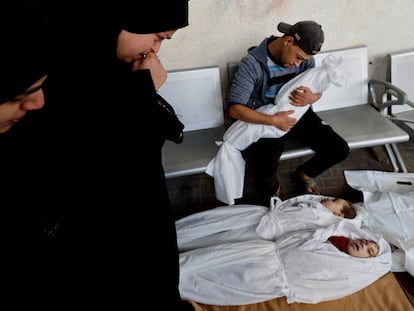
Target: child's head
[355, 247]
[340, 207]
[362, 248]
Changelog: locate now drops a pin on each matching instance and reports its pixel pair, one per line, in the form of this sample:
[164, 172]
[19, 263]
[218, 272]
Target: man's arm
[280, 120]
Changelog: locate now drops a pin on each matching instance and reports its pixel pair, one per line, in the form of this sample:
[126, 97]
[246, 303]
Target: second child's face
[335, 206]
[132, 46]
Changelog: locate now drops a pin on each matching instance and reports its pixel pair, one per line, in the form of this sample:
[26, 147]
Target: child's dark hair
[349, 210]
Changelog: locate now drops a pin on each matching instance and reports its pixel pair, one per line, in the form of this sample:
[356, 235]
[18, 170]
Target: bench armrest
[389, 95]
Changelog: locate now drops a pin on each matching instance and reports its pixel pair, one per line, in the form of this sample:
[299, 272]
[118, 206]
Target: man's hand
[282, 120]
[303, 96]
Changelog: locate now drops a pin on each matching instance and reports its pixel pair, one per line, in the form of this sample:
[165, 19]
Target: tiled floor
[190, 194]
[195, 193]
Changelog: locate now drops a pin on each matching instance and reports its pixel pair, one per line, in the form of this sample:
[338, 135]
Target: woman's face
[132, 46]
[15, 109]
[362, 248]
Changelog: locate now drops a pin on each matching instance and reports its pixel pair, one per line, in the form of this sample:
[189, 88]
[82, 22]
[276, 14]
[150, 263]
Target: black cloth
[24, 55]
[94, 167]
[32, 214]
[32, 262]
[165, 15]
[111, 147]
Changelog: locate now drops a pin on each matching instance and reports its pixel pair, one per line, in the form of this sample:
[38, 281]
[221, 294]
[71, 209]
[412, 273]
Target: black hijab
[23, 56]
[144, 17]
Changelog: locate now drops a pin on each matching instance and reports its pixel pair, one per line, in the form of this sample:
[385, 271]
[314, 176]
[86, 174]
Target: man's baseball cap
[308, 35]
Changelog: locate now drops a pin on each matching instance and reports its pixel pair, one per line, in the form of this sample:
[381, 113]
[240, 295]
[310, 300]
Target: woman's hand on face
[152, 62]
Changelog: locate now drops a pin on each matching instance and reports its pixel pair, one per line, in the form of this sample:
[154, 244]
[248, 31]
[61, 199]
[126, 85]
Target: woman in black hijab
[24, 62]
[111, 130]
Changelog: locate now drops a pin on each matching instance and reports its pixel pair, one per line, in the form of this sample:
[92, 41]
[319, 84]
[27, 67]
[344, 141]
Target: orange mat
[383, 295]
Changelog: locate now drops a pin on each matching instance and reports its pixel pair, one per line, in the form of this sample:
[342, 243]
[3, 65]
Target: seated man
[305, 266]
[260, 76]
[228, 165]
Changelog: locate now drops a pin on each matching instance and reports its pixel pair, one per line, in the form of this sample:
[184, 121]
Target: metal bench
[347, 109]
[400, 73]
[197, 99]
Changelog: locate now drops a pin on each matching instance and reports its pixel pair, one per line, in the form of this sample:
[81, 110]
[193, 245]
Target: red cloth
[341, 242]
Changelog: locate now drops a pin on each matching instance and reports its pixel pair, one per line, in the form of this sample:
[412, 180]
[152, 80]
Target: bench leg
[399, 157]
[395, 158]
[392, 158]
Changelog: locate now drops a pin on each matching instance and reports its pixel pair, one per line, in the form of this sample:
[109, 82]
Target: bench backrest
[400, 72]
[196, 97]
[355, 91]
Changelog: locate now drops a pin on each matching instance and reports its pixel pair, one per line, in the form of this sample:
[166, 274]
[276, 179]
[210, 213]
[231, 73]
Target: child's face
[335, 206]
[362, 248]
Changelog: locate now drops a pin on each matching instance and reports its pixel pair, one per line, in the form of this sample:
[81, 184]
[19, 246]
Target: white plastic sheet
[389, 201]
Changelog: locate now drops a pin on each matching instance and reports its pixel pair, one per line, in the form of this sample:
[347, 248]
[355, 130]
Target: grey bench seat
[193, 154]
[361, 126]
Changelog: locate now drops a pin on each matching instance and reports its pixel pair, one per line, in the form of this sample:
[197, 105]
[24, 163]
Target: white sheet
[299, 213]
[228, 166]
[219, 225]
[299, 265]
[245, 222]
[389, 200]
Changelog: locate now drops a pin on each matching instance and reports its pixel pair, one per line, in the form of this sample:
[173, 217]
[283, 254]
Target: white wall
[220, 31]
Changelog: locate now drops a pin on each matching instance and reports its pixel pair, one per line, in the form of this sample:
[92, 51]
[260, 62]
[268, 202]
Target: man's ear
[339, 214]
[289, 40]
